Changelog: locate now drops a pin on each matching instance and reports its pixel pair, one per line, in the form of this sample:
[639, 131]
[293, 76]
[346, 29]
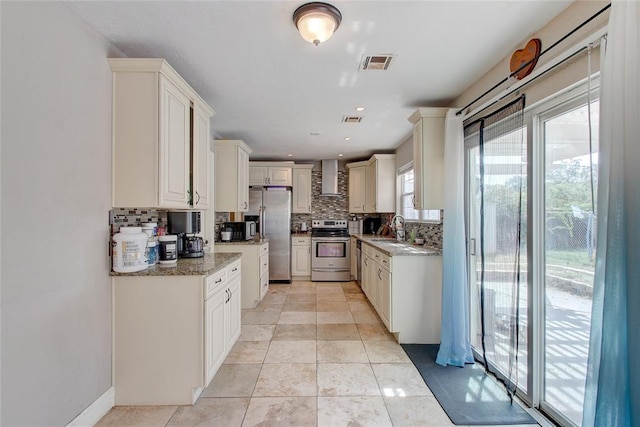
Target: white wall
[404, 153]
[556, 80]
[56, 184]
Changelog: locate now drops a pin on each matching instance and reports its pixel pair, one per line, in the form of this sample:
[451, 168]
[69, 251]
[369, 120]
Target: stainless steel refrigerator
[272, 206]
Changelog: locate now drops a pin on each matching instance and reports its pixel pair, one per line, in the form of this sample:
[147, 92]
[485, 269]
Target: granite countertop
[392, 247]
[244, 242]
[204, 266]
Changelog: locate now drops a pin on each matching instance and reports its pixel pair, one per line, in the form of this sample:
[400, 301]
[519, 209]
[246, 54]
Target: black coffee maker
[186, 225]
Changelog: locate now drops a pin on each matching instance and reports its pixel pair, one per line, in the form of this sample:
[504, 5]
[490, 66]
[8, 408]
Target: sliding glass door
[556, 262]
[570, 169]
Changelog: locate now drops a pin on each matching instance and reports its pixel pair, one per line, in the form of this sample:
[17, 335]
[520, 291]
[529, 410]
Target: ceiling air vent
[351, 119]
[376, 62]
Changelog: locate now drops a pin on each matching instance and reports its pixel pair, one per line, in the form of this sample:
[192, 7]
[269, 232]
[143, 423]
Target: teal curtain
[612, 395]
[455, 346]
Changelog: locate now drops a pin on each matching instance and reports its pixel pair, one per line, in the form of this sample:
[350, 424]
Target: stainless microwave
[240, 231]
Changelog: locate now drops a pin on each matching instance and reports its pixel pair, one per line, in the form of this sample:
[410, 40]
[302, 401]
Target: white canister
[168, 249]
[129, 250]
[150, 228]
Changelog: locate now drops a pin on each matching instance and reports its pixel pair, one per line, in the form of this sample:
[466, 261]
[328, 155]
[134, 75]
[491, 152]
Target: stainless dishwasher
[359, 261]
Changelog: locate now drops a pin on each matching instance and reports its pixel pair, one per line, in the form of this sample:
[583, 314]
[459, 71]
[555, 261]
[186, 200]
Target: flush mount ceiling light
[317, 21]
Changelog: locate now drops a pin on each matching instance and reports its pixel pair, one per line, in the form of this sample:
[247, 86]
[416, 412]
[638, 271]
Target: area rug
[468, 395]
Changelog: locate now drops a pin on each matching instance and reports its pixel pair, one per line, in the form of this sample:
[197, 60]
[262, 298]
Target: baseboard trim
[94, 412]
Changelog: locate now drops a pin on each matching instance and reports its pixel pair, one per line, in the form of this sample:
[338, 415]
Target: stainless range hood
[330, 178]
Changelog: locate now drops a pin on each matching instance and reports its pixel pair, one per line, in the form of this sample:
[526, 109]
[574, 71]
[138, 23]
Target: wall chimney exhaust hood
[329, 178]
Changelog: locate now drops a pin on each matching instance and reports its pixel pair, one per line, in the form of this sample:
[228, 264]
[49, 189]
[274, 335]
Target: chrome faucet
[399, 230]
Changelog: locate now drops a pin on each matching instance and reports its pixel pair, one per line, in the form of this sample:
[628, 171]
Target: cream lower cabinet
[222, 317]
[171, 333]
[255, 270]
[406, 292]
[301, 257]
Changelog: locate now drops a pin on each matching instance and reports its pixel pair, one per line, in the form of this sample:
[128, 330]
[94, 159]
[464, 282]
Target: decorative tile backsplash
[136, 217]
[329, 207]
[431, 232]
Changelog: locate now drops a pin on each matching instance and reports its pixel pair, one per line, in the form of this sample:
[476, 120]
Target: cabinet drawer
[385, 261]
[233, 271]
[264, 264]
[301, 241]
[214, 283]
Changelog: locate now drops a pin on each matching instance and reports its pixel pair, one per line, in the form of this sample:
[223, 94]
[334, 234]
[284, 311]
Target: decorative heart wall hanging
[531, 52]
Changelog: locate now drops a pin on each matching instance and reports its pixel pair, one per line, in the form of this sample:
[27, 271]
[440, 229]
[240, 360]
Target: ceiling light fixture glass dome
[317, 21]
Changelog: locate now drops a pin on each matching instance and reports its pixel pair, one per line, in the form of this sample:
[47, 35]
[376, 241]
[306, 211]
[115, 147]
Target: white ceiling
[271, 89]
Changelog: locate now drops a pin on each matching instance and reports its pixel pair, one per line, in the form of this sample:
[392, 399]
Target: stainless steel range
[330, 251]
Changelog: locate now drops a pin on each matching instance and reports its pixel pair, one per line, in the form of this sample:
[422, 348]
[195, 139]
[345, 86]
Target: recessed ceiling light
[359, 108]
[347, 138]
[340, 155]
[289, 155]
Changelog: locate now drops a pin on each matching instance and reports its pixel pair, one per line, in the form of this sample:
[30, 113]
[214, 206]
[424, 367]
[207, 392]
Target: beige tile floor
[310, 354]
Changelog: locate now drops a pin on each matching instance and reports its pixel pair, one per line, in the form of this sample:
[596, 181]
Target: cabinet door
[301, 261]
[417, 165]
[233, 312]
[371, 183]
[258, 175]
[243, 176]
[279, 176]
[385, 298]
[301, 191]
[357, 189]
[175, 146]
[201, 163]
[214, 334]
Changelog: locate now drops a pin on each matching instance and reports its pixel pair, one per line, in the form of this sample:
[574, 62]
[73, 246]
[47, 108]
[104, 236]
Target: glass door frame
[534, 117]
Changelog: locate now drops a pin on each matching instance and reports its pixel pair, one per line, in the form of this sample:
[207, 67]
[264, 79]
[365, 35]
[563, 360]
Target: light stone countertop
[244, 242]
[204, 266]
[392, 247]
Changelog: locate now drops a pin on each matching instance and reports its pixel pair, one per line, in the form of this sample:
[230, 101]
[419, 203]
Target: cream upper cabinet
[201, 191]
[153, 137]
[231, 176]
[357, 186]
[372, 185]
[381, 184]
[270, 174]
[301, 189]
[428, 157]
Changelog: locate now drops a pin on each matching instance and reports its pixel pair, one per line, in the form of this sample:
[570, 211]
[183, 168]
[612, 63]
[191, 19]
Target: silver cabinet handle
[472, 246]
[380, 273]
[198, 194]
[219, 280]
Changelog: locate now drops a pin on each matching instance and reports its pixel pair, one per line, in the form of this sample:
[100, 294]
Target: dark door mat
[468, 395]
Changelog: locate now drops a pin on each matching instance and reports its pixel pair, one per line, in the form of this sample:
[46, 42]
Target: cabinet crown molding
[233, 142]
[286, 164]
[424, 112]
[158, 65]
[357, 164]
